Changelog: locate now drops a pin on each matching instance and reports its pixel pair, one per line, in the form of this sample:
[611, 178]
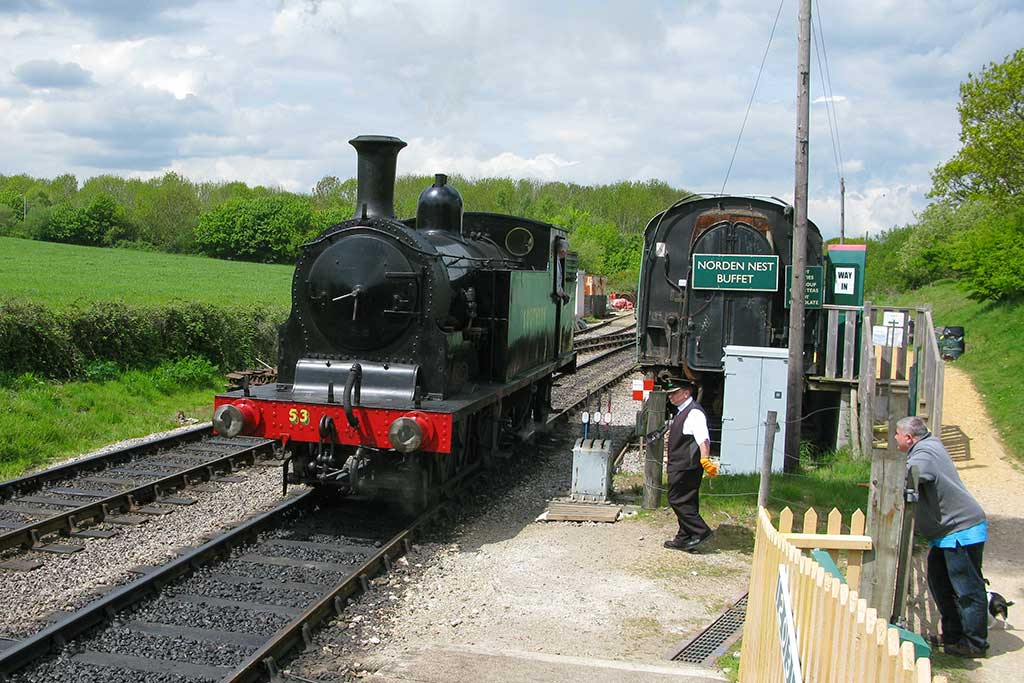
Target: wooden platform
[568, 511]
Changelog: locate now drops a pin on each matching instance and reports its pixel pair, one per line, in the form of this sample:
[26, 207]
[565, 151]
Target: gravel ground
[67, 582]
[499, 579]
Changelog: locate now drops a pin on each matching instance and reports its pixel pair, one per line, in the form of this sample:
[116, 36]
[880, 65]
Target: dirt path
[996, 480]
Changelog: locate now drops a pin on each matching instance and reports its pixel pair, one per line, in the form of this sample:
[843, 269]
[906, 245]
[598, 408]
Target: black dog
[998, 606]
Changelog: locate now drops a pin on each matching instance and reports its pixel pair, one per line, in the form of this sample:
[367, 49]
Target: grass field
[62, 274]
[994, 357]
[42, 421]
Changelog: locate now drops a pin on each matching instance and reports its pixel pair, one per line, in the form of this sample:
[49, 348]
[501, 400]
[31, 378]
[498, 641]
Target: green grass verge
[838, 481]
[995, 356]
[42, 421]
[63, 274]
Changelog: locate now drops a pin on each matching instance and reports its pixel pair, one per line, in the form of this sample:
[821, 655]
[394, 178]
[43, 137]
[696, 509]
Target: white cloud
[871, 210]
[270, 92]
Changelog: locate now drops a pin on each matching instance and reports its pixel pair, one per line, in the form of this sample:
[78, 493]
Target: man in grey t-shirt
[956, 528]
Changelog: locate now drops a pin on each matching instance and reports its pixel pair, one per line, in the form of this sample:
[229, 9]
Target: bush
[101, 371]
[35, 339]
[266, 228]
[989, 256]
[193, 371]
[79, 341]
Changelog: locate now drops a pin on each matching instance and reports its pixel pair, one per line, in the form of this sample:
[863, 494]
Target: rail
[264, 662]
[839, 637]
[98, 506]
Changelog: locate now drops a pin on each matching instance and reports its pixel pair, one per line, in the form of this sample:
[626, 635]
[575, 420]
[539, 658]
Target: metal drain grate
[712, 642]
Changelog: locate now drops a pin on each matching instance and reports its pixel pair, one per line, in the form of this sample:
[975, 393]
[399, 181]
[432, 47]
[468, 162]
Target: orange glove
[710, 468]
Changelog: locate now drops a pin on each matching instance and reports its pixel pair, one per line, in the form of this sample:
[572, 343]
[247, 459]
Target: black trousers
[684, 497]
[956, 584]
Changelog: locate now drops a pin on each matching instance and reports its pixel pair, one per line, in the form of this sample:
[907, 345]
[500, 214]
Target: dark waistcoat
[683, 450]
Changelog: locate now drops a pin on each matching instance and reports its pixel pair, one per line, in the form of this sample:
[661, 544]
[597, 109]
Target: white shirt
[696, 423]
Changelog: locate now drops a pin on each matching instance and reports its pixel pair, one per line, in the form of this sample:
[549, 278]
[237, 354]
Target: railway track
[227, 610]
[606, 341]
[233, 608]
[613, 323]
[125, 486]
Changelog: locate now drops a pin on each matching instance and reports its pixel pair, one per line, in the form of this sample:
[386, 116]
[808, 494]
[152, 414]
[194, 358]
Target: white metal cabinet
[755, 382]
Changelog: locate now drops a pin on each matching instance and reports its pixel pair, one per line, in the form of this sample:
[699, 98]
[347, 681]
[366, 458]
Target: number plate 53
[298, 416]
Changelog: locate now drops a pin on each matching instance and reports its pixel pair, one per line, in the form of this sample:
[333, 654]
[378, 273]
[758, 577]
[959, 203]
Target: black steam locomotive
[415, 348]
[714, 274]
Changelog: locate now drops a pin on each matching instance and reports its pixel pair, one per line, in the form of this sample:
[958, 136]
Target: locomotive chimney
[378, 155]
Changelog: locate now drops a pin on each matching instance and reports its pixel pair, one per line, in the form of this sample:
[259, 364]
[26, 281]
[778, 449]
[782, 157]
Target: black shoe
[964, 649]
[677, 543]
[694, 542]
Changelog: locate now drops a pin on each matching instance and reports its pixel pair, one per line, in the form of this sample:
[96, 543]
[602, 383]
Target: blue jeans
[957, 586]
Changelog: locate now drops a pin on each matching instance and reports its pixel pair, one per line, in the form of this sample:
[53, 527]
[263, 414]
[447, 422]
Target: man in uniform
[956, 528]
[688, 444]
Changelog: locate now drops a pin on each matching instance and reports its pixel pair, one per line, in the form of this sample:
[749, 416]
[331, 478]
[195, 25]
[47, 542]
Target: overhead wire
[829, 104]
[750, 103]
[828, 79]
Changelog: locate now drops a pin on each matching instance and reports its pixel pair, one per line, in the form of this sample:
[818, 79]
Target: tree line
[973, 230]
[236, 221]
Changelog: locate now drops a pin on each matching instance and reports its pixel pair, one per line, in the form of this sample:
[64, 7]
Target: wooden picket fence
[840, 638]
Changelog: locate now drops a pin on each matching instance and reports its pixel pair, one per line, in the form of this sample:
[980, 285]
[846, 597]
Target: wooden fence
[902, 376]
[840, 637]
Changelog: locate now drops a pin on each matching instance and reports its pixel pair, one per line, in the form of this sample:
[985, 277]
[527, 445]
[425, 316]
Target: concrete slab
[443, 664]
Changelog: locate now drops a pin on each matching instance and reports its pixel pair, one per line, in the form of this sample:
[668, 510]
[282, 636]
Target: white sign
[787, 629]
[893, 318]
[887, 336]
[846, 280]
[660, 249]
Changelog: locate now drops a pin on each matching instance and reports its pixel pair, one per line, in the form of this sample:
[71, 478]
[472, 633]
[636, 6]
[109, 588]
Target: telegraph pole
[794, 409]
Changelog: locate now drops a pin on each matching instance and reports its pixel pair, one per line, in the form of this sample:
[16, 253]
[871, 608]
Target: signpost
[748, 272]
[814, 294]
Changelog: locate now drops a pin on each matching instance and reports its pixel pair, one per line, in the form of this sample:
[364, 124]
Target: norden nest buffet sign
[736, 271]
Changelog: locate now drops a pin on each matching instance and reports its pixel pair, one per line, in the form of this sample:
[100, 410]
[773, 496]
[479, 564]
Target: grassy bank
[44, 421]
[62, 274]
[995, 355]
[839, 481]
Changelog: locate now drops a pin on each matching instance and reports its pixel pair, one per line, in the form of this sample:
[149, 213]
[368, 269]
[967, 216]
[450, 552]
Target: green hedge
[79, 342]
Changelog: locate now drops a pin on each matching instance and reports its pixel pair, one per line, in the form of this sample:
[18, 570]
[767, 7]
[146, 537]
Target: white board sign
[893, 318]
[846, 280]
[787, 629]
[887, 336]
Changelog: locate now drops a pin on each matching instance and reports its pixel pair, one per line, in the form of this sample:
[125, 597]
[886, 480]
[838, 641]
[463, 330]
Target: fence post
[885, 522]
[906, 549]
[867, 382]
[854, 426]
[766, 459]
[654, 452]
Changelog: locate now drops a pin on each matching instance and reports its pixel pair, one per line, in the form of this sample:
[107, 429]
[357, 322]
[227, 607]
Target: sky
[270, 91]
